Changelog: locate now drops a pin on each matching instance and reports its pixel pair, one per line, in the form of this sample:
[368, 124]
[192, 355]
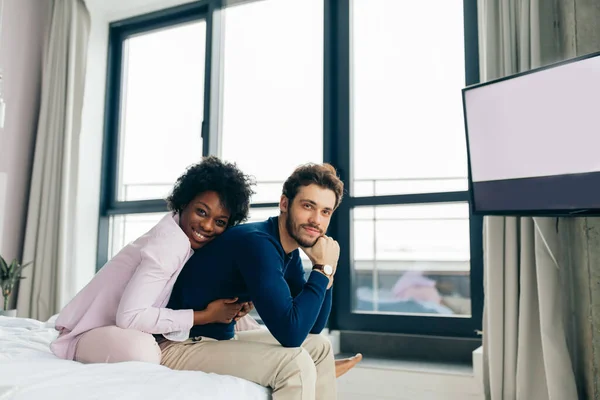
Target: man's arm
[294, 275]
[289, 318]
[324, 314]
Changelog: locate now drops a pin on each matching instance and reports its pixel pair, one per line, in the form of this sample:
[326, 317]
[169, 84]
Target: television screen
[533, 141]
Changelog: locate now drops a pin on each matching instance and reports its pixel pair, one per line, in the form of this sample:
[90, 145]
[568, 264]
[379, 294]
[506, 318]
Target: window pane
[407, 105]
[162, 109]
[273, 90]
[125, 228]
[412, 259]
[262, 214]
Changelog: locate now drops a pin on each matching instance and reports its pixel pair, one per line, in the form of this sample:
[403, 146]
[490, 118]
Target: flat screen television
[533, 141]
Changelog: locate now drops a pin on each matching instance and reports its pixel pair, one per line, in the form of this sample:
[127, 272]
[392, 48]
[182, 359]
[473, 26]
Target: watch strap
[320, 267]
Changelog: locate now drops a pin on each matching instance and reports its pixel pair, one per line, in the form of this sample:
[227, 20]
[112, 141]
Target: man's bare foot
[346, 364]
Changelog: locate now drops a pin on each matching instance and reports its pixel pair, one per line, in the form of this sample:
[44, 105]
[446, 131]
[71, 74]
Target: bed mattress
[29, 370]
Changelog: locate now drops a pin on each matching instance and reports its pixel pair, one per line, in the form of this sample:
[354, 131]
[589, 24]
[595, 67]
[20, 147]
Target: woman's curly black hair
[212, 174]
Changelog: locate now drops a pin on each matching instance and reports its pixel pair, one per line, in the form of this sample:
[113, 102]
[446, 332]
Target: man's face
[308, 215]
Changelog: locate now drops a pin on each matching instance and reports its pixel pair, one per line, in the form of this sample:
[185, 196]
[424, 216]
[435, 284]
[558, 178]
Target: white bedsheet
[29, 370]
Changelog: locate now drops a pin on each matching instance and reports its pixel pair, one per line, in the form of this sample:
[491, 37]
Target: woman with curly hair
[114, 317]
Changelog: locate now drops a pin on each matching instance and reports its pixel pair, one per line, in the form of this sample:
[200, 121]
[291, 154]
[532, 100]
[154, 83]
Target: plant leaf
[17, 273]
[11, 273]
[3, 269]
[14, 264]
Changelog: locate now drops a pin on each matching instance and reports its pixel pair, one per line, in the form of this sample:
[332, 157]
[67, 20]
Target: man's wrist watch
[324, 268]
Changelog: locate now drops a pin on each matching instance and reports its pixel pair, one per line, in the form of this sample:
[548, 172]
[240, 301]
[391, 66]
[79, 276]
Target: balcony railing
[269, 190]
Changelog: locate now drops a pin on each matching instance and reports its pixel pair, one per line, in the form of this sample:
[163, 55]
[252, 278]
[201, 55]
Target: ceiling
[112, 10]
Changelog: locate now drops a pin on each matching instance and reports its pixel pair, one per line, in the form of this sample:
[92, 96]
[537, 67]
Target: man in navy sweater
[260, 262]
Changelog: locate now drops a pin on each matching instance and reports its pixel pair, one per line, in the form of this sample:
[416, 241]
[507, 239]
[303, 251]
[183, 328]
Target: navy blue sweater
[248, 262]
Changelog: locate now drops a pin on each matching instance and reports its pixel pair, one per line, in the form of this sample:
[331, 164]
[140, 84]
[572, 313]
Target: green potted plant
[10, 274]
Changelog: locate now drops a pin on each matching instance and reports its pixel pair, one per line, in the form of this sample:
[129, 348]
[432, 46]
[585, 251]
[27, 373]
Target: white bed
[28, 370]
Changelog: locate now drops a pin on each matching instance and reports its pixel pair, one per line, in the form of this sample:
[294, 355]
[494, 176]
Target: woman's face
[204, 218]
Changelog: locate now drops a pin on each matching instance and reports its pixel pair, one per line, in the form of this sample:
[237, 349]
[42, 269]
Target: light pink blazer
[131, 290]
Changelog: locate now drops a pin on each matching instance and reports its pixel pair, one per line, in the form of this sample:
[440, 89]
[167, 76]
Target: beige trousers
[302, 373]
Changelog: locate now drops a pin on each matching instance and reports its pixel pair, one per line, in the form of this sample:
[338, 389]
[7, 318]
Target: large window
[156, 118]
[162, 107]
[371, 86]
[411, 259]
[408, 137]
[414, 260]
[273, 90]
[406, 100]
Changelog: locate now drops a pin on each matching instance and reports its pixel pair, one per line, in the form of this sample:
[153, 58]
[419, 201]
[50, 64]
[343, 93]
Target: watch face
[328, 269]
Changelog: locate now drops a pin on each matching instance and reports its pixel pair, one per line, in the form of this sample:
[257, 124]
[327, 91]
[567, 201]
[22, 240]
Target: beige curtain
[525, 350]
[48, 234]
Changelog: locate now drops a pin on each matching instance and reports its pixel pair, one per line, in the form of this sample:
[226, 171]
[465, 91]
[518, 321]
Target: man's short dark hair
[224, 178]
[323, 175]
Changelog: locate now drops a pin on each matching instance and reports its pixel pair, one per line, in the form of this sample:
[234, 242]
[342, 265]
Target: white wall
[24, 27]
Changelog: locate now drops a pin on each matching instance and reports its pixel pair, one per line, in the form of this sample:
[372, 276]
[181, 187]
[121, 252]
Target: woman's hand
[246, 308]
[221, 311]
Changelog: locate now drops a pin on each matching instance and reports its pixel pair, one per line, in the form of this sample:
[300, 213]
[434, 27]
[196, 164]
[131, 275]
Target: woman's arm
[161, 257]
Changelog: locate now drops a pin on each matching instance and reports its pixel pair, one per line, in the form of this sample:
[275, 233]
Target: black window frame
[336, 150]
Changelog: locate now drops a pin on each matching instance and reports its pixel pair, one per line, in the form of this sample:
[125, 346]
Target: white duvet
[28, 370]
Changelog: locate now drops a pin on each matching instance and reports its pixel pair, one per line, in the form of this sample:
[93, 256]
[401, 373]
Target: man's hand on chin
[325, 251]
